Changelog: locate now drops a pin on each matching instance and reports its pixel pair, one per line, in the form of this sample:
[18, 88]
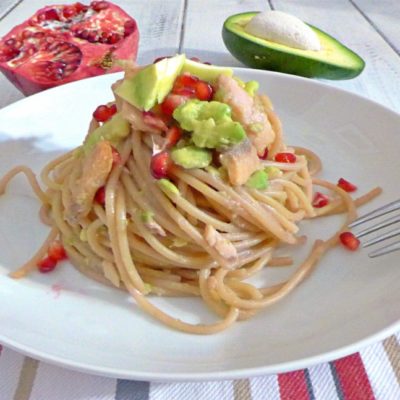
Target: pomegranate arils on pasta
[204, 91]
[100, 196]
[349, 241]
[47, 264]
[320, 200]
[160, 164]
[173, 135]
[103, 113]
[264, 156]
[56, 251]
[346, 185]
[286, 158]
[171, 102]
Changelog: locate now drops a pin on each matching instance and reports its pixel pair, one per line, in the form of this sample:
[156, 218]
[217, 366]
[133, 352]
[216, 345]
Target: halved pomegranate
[65, 43]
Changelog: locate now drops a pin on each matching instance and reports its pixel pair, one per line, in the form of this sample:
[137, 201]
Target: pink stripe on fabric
[293, 386]
[353, 379]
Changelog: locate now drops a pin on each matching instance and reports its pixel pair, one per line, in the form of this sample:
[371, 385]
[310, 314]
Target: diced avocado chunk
[113, 130]
[168, 187]
[191, 157]
[210, 123]
[251, 87]
[151, 84]
[206, 72]
[258, 180]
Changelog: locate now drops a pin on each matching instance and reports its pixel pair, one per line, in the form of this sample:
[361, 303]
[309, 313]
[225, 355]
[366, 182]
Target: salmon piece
[95, 171]
[223, 246]
[241, 161]
[248, 111]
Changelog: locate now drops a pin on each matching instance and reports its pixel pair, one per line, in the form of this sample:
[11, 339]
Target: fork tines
[388, 208]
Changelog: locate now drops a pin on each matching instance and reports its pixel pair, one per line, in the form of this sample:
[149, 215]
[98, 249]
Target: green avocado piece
[258, 180]
[113, 130]
[206, 72]
[334, 61]
[191, 157]
[210, 123]
[168, 187]
[151, 84]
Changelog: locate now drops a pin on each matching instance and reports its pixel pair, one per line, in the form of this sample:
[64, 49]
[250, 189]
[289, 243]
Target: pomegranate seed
[320, 200]
[99, 5]
[69, 12]
[160, 164]
[204, 91]
[349, 241]
[116, 156]
[171, 102]
[27, 34]
[173, 135]
[186, 80]
[346, 185]
[10, 42]
[38, 35]
[56, 251]
[264, 155]
[49, 15]
[92, 37]
[79, 7]
[112, 109]
[103, 113]
[129, 27]
[100, 196]
[285, 158]
[46, 265]
[8, 53]
[184, 91]
[113, 38]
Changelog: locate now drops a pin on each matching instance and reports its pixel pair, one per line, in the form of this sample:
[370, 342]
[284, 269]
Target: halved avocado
[334, 61]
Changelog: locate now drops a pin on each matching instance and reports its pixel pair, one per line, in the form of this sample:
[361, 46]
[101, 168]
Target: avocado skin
[260, 56]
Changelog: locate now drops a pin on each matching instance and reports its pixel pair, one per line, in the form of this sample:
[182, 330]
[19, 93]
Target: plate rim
[231, 372]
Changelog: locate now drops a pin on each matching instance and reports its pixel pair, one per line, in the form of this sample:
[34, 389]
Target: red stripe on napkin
[293, 386]
[353, 378]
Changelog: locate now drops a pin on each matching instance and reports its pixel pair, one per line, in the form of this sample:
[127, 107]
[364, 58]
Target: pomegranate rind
[96, 59]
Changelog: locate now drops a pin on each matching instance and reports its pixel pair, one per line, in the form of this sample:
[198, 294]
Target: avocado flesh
[151, 84]
[208, 73]
[334, 61]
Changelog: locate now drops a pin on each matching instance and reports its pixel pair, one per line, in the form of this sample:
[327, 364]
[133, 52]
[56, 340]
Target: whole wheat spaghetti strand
[31, 264]
[22, 169]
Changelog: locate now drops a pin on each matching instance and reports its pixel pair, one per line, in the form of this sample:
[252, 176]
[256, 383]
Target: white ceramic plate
[64, 318]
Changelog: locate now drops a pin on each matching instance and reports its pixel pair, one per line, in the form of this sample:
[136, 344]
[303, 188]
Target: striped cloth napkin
[374, 373]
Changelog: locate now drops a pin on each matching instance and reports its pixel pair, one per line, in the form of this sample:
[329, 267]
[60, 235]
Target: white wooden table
[371, 28]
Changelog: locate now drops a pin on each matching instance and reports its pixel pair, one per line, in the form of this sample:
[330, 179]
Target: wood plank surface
[6, 6]
[384, 15]
[203, 26]
[380, 81]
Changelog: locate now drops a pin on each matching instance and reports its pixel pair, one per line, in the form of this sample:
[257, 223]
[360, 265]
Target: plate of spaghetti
[183, 221]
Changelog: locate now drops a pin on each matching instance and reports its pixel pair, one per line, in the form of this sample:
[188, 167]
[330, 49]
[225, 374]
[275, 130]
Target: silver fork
[378, 226]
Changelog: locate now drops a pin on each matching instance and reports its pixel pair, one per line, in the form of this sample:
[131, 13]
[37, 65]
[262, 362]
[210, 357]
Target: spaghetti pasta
[203, 238]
